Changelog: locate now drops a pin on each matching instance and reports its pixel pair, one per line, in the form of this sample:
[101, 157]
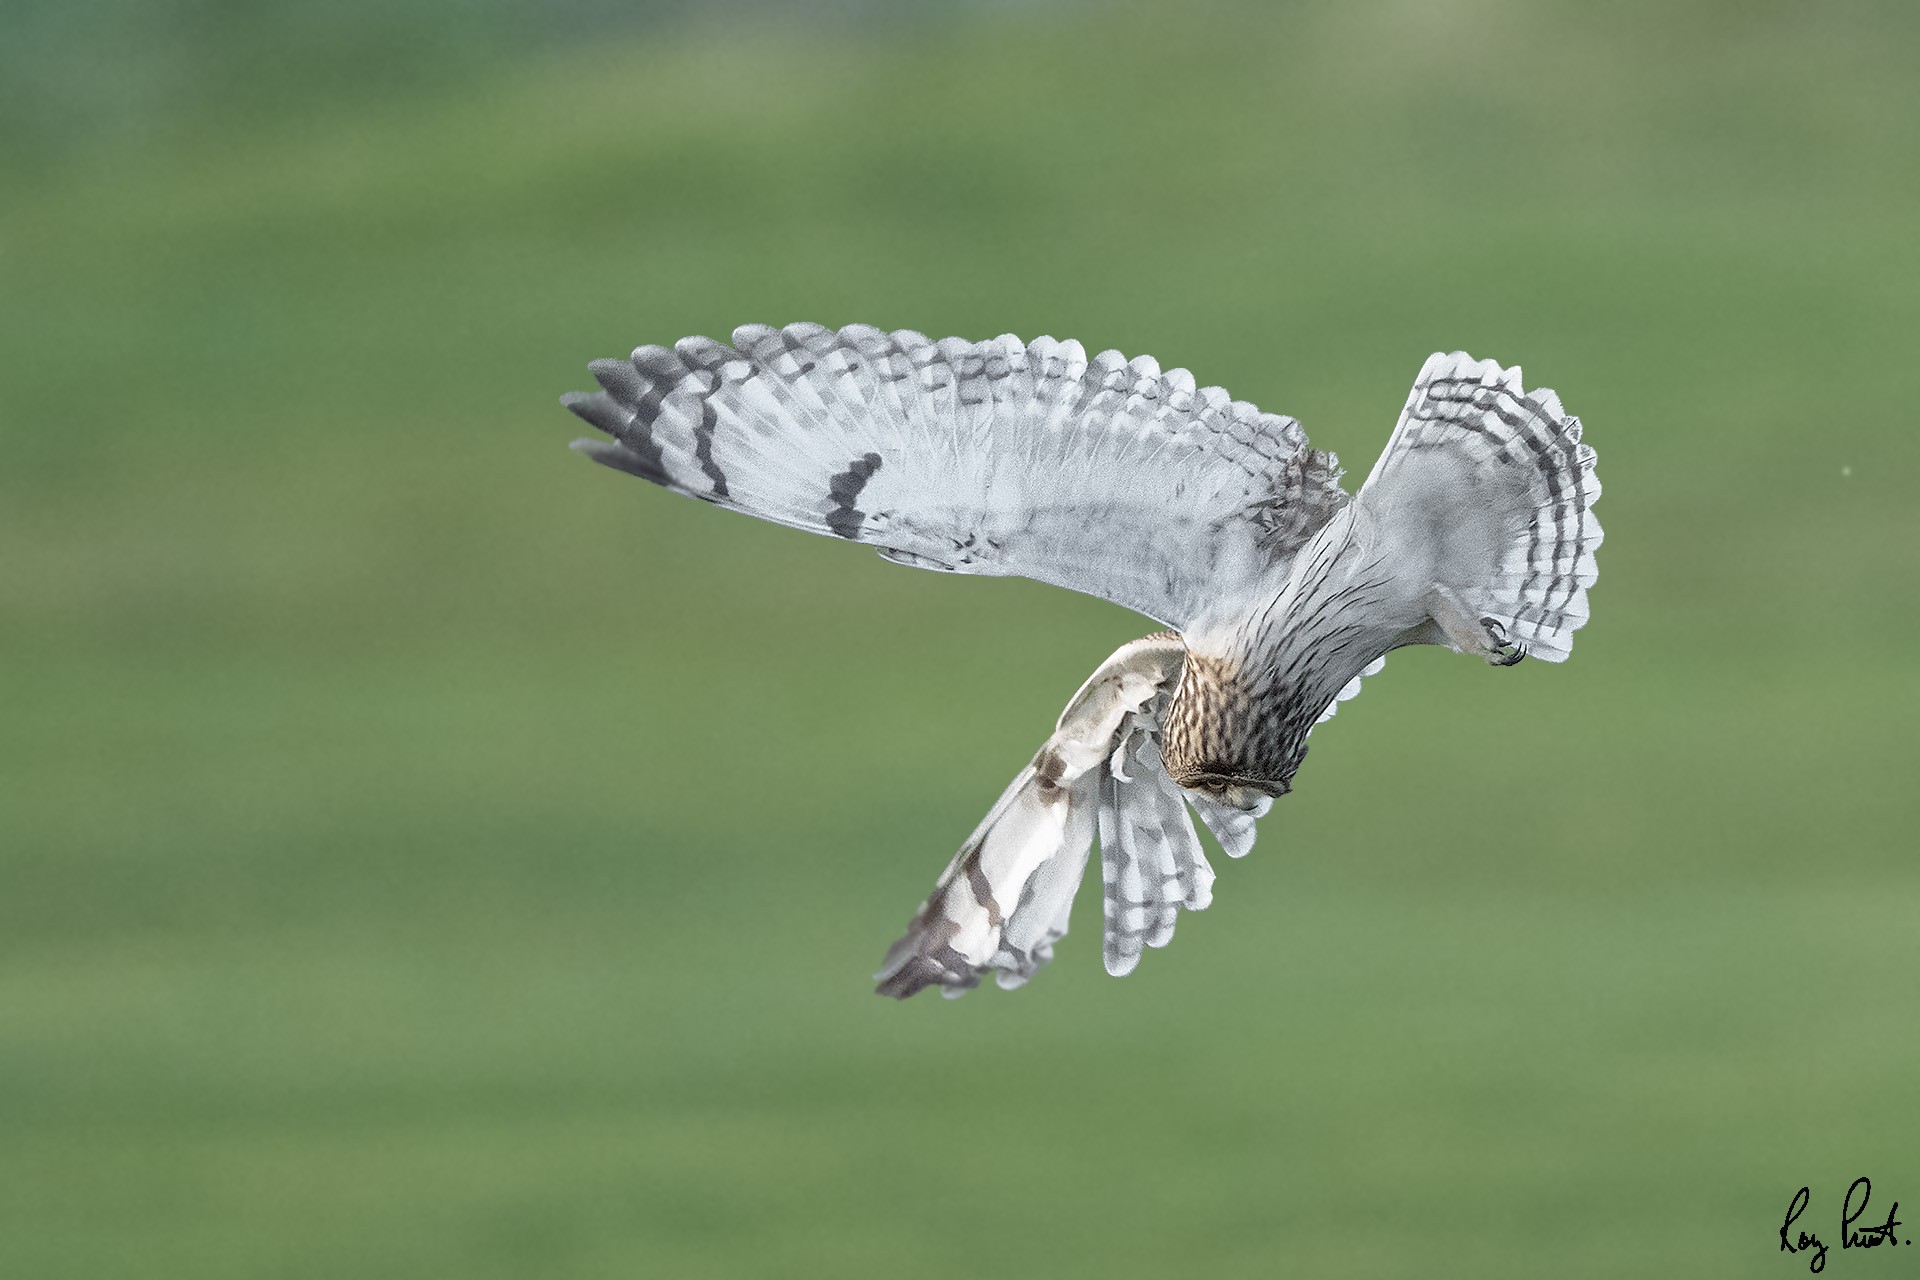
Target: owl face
[1227, 738]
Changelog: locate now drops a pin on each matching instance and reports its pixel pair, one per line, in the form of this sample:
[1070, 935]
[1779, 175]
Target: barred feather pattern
[1006, 897]
[1527, 452]
[1105, 475]
[1150, 856]
[1480, 509]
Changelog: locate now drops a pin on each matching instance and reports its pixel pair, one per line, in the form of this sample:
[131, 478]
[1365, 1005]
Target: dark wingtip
[909, 980]
[598, 410]
[921, 972]
[620, 378]
[907, 971]
[621, 458]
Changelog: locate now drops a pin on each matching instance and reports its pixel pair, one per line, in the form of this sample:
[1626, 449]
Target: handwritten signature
[1851, 1236]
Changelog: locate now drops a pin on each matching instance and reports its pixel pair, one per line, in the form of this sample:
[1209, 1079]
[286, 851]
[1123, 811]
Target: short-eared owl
[1113, 477]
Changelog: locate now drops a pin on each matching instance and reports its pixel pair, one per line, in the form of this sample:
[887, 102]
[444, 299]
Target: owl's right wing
[1106, 476]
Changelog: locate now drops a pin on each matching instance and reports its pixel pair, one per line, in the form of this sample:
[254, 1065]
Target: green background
[425, 854]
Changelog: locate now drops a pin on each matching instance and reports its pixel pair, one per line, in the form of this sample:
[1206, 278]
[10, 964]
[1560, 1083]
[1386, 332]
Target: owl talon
[1484, 637]
[1501, 651]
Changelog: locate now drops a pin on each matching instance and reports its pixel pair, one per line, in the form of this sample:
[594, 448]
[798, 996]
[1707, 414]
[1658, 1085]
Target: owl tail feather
[1006, 897]
[1471, 428]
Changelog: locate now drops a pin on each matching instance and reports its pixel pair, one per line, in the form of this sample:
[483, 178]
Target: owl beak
[1234, 791]
[1248, 794]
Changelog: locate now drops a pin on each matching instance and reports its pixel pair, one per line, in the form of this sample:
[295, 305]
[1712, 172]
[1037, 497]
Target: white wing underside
[1474, 451]
[1106, 476]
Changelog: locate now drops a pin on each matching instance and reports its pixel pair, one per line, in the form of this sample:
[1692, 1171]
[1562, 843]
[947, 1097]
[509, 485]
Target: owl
[1277, 592]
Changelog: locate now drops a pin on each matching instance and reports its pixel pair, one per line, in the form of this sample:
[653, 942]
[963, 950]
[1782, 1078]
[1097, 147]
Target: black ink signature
[1793, 1240]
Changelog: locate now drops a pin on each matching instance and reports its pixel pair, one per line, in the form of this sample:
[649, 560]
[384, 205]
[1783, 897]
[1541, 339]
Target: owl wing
[1006, 896]
[1106, 476]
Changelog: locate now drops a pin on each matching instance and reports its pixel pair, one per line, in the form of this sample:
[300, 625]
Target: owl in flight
[1277, 589]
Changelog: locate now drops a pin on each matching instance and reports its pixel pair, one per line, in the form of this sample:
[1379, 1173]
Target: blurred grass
[425, 854]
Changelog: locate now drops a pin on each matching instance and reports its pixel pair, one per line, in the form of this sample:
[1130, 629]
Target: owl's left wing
[1106, 476]
[1005, 898]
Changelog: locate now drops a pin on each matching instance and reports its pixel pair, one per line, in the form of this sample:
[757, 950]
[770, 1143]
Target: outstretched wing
[1106, 476]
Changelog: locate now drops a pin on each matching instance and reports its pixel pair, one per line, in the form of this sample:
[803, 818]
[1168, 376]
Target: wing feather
[1006, 896]
[1106, 475]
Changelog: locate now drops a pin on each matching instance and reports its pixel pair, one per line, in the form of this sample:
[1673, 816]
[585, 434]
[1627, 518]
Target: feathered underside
[1108, 476]
[1504, 472]
[1475, 530]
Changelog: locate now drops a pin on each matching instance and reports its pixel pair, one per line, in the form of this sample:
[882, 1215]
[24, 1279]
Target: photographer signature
[1793, 1240]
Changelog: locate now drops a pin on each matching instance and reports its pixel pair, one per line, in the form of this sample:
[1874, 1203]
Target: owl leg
[1482, 637]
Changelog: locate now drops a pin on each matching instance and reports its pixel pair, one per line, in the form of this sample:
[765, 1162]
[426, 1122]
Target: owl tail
[1006, 897]
[1494, 484]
